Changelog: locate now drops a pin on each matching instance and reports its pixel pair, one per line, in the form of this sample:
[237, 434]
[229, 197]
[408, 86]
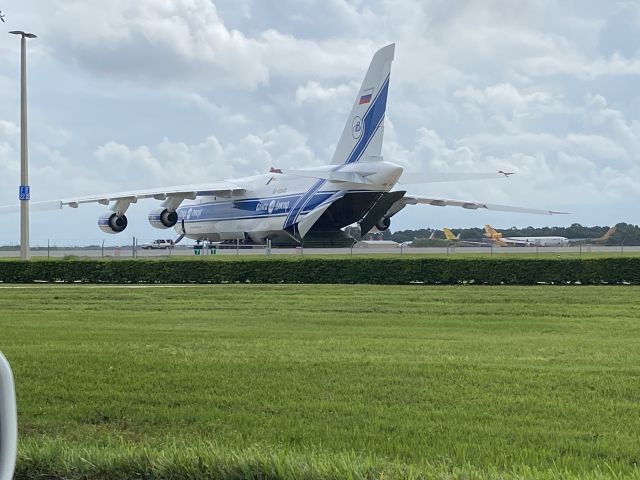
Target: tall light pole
[24, 192]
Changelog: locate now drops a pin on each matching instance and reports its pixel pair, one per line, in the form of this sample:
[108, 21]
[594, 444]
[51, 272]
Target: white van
[159, 244]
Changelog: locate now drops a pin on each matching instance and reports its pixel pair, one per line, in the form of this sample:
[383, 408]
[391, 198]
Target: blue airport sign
[25, 192]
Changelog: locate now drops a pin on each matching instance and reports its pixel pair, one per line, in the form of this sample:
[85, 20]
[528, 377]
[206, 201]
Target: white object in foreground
[8, 421]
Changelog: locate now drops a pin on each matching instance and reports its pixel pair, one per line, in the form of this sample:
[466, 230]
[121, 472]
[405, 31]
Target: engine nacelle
[112, 222]
[163, 218]
[383, 224]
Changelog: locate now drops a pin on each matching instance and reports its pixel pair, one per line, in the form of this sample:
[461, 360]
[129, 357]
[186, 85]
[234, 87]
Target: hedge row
[326, 270]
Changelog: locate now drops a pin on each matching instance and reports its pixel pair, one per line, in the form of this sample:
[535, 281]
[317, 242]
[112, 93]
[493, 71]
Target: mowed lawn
[325, 381]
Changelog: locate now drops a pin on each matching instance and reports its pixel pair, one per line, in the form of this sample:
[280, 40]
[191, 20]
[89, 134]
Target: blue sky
[126, 95]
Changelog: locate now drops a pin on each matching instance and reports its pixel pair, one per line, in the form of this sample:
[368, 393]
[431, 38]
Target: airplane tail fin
[491, 232]
[449, 234]
[607, 235]
[361, 138]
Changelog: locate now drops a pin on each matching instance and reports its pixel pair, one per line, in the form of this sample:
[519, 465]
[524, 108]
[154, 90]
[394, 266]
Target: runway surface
[127, 252]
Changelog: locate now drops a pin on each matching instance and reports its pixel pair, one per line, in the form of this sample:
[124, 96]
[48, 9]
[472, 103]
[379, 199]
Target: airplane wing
[440, 202]
[179, 193]
[409, 178]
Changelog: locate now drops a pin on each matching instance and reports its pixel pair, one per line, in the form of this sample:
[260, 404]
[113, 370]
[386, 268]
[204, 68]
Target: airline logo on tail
[356, 129]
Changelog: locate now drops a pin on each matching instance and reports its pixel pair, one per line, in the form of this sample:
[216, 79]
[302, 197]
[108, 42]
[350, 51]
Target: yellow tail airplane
[493, 235]
[448, 234]
[455, 240]
[542, 241]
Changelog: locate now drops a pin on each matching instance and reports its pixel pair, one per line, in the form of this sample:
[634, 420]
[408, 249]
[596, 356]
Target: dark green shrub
[430, 271]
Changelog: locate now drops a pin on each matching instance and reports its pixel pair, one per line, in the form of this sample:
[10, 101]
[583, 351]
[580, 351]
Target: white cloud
[174, 163]
[9, 131]
[316, 94]
[156, 41]
[204, 104]
[506, 99]
[186, 42]
[9, 155]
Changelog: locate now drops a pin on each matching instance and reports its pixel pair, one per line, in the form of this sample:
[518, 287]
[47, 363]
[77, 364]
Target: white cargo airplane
[285, 205]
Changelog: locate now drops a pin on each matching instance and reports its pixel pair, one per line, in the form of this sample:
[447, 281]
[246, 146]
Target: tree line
[625, 234]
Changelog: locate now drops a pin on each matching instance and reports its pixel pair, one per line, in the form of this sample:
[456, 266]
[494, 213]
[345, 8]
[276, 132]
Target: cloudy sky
[135, 94]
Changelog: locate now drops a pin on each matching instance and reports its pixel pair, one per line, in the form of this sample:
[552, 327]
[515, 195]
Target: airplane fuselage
[538, 241]
[273, 202]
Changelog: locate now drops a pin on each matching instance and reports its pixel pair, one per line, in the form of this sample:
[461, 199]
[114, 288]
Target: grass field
[325, 381]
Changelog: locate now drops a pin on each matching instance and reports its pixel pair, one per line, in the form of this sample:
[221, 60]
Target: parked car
[158, 244]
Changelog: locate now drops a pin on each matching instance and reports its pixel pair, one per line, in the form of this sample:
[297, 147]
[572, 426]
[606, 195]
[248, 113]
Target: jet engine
[111, 222]
[383, 224]
[163, 218]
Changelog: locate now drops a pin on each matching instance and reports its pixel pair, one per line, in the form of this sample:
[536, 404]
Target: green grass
[325, 381]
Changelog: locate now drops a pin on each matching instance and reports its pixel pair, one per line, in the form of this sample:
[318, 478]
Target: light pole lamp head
[24, 34]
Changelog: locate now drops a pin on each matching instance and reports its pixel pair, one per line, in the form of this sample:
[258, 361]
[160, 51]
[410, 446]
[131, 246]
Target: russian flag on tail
[366, 97]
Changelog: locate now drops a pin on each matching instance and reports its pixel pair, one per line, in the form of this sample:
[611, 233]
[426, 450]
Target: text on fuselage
[272, 206]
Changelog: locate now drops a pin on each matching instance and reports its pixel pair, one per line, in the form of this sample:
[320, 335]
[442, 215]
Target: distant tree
[626, 234]
[410, 235]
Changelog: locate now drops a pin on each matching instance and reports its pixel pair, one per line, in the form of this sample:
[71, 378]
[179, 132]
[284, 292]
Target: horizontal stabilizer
[346, 174]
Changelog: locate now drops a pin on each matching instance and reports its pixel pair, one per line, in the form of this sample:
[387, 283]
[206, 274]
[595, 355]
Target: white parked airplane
[544, 241]
[284, 205]
[547, 241]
